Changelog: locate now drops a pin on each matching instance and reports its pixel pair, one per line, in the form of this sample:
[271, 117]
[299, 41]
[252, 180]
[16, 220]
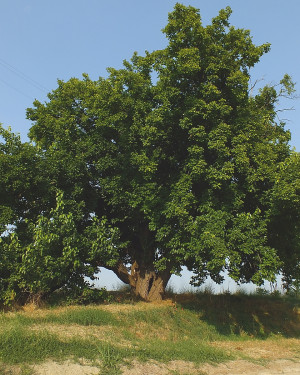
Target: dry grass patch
[65, 332]
[157, 368]
[249, 368]
[262, 350]
[137, 306]
[64, 368]
[141, 331]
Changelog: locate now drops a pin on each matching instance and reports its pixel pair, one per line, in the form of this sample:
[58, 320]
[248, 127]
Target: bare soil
[239, 367]
[272, 357]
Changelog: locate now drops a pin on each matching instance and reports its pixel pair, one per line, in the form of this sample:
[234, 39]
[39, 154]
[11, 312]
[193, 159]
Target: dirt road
[240, 367]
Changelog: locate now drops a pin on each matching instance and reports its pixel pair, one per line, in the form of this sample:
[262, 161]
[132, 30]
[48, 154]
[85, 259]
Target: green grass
[187, 350]
[91, 316]
[85, 316]
[236, 316]
[182, 331]
[177, 321]
[19, 345]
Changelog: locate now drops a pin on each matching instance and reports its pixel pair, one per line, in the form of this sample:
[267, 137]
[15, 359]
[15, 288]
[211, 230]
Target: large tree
[171, 160]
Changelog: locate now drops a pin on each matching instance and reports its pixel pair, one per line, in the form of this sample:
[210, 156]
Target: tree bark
[145, 282]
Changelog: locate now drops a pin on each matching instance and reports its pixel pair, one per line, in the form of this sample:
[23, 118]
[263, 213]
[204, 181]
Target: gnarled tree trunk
[145, 282]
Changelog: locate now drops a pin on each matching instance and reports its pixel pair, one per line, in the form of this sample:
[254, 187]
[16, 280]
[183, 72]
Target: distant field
[188, 334]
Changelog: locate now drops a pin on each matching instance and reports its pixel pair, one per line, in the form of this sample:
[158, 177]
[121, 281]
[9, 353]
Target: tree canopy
[170, 161]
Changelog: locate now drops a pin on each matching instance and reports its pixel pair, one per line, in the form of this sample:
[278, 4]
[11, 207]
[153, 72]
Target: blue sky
[42, 41]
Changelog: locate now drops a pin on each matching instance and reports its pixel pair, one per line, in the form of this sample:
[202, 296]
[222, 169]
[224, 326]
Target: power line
[24, 76]
[14, 88]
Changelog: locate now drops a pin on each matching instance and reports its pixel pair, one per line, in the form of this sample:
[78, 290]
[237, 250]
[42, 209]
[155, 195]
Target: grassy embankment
[195, 328]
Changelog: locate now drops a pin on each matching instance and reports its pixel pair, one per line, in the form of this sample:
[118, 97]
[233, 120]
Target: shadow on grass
[247, 315]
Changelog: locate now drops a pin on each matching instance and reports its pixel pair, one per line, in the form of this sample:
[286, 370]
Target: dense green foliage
[168, 162]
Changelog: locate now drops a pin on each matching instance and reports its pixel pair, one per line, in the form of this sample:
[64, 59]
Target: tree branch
[121, 271]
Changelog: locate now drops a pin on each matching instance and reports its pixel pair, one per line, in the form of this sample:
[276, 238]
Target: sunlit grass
[185, 328]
